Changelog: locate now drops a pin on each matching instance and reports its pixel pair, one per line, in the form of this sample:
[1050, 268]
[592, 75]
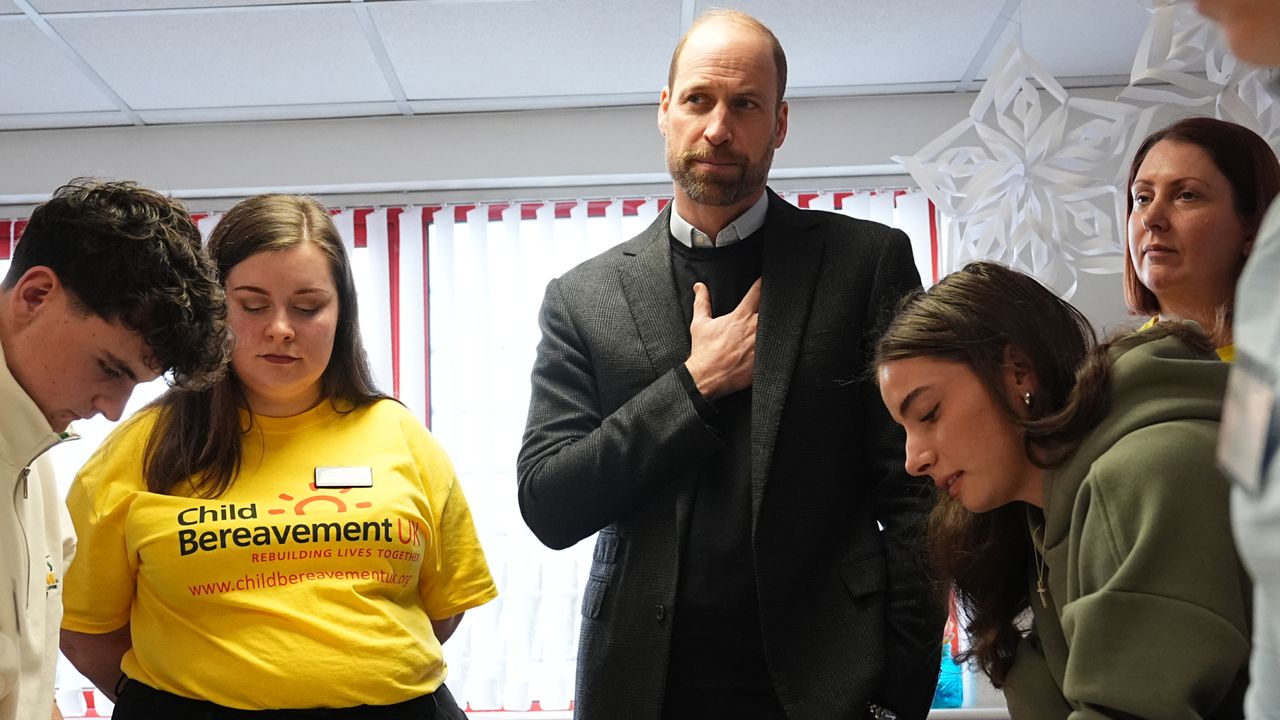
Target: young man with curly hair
[108, 288]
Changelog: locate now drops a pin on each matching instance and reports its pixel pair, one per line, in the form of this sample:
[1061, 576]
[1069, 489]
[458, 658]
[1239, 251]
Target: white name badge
[344, 477]
[1246, 421]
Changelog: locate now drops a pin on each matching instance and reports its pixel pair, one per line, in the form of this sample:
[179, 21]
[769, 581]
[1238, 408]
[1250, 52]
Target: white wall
[832, 142]
[442, 152]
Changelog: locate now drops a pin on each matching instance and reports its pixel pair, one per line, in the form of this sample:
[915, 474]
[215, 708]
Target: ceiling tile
[1083, 37]
[226, 60]
[896, 43]
[230, 57]
[38, 77]
[528, 48]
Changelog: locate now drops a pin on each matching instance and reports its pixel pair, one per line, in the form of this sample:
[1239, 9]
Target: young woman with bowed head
[289, 541]
[1197, 192]
[1080, 482]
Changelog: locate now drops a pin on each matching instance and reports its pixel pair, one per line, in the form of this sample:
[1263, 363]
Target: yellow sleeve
[454, 578]
[101, 581]
[462, 580]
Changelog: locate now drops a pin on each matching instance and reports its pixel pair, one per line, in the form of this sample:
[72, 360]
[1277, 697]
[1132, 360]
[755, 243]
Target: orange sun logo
[299, 508]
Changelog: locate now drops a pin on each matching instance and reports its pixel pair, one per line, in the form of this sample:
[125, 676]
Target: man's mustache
[709, 155]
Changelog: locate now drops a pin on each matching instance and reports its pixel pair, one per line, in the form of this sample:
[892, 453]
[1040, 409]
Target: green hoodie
[1148, 610]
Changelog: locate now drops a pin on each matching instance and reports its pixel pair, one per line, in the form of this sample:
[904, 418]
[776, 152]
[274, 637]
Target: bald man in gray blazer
[702, 400]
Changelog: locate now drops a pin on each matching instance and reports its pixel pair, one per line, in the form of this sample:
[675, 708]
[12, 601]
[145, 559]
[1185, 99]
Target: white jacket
[36, 545]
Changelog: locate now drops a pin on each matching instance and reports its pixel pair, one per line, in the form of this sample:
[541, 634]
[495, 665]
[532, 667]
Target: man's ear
[780, 127]
[32, 294]
[664, 102]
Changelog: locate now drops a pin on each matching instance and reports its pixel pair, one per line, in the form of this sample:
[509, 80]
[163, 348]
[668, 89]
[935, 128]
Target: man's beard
[708, 190]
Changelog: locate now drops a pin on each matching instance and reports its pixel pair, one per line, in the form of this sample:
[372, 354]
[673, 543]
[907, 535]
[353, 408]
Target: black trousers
[135, 701]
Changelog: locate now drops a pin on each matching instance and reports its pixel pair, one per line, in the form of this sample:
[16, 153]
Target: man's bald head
[745, 20]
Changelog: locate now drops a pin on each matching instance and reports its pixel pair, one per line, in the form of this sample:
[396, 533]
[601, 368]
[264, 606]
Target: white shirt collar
[741, 228]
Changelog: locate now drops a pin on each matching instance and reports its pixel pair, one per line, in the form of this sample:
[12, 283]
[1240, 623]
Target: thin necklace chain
[1041, 589]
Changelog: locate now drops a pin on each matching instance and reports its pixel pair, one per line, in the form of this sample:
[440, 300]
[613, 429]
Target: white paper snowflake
[1031, 178]
[1251, 102]
[1187, 58]
[1181, 52]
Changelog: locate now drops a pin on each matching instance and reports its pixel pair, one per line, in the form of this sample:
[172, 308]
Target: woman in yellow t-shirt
[287, 540]
[1197, 192]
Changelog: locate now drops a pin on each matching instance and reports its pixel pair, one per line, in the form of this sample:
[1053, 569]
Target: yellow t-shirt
[1227, 353]
[279, 594]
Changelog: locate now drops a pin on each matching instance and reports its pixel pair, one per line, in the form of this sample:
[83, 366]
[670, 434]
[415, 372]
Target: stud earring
[1026, 399]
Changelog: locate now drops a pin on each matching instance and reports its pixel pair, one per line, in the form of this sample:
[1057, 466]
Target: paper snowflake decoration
[1184, 54]
[1030, 178]
[1187, 58]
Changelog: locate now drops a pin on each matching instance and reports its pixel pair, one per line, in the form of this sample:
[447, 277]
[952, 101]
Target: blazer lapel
[651, 294]
[792, 260]
[650, 291]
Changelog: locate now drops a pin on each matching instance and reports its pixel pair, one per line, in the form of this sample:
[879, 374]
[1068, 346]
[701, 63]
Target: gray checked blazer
[847, 614]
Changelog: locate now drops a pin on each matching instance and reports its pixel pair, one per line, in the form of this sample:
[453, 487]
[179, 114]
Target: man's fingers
[701, 302]
[751, 302]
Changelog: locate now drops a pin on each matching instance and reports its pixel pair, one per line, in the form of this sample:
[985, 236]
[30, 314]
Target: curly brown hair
[129, 254]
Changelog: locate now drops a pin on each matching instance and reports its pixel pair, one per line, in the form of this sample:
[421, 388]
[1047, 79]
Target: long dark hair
[197, 437]
[1242, 156]
[974, 316]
